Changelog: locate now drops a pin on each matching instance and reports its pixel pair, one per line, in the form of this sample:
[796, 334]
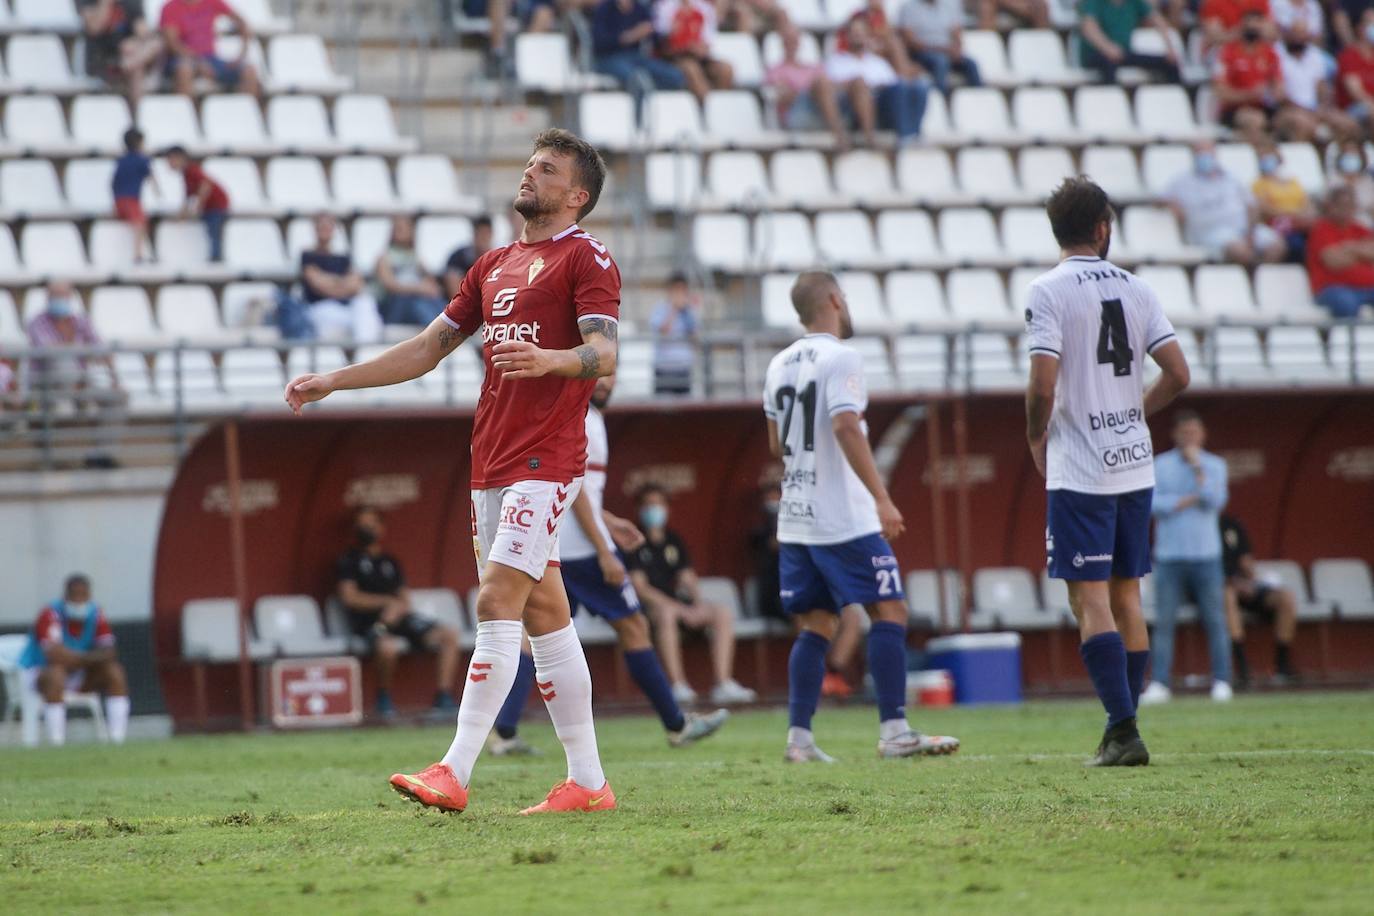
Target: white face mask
[77, 611]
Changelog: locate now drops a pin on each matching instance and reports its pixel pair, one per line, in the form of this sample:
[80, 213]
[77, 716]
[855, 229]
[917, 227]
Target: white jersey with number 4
[823, 500]
[573, 543]
[1100, 322]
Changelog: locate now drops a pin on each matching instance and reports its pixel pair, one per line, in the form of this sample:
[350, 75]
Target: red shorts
[130, 210]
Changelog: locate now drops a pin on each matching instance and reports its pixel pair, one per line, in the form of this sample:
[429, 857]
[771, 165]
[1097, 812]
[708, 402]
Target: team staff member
[1248, 595]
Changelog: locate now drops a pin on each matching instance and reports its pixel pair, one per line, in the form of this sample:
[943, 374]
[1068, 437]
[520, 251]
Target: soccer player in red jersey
[548, 308]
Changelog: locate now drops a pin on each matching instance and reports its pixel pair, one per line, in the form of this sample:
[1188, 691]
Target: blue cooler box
[986, 666]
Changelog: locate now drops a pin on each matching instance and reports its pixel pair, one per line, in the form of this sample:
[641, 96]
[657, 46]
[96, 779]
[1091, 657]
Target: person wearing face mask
[1340, 257]
[1307, 70]
[1248, 80]
[1283, 203]
[1355, 72]
[1224, 20]
[1217, 213]
[72, 649]
[372, 590]
[1349, 169]
[663, 577]
[62, 324]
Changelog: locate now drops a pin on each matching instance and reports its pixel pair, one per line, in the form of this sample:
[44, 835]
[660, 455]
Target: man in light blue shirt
[675, 325]
[1190, 492]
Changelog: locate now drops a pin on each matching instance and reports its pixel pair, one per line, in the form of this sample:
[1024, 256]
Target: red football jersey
[534, 429]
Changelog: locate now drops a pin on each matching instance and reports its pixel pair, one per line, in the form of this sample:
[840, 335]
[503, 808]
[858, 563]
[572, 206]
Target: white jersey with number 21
[1099, 321]
[823, 500]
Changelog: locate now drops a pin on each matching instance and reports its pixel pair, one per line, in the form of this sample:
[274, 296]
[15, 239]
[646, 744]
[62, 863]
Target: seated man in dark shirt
[1247, 594]
[662, 573]
[463, 258]
[373, 591]
[336, 294]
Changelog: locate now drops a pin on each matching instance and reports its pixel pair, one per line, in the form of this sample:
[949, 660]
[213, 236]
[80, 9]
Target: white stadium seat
[777, 301]
[915, 297]
[1042, 113]
[1298, 356]
[721, 241]
[673, 180]
[11, 328]
[1008, 596]
[29, 187]
[297, 184]
[87, 186]
[1040, 169]
[978, 296]
[193, 374]
[608, 119]
[1223, 290]
[1164, 112]
[1162, 164]
[190, 312]
[1283, 290]
[112, 245]
[783, 241]
[907, 238]
[865, 300]
[937, 126]
[865, 177]
[240, 301]
[429, 183]
[370, 237]
[1115, 169]
[734, 118]
[1239, 356]
[1289, 575]
[300, 123]
[36, 123]
[845, 238]
[292, 624]
[1300, 160]
[800, 178]
[1037, 56]
[300, 63]
[255, 246]
[1027, 237]
[741, 51]
[1240, 161]
[41, 62]
[123, 315]
[362, 183]
[241, 181]
[52, 248]
[365, 122]
[543, 62]
[672, 119]
[922, 362]
[1152, 233]
[168, 120]
[923, 593]
[986, 173]
[437, 236]
[986, 49]
[1175, 293]
[99, 123]
[1104, 114]
[181, 244]
[253, 375]
[47, 15]
[968, 236]
[233, 123]
[1346, 584]
[738, 179]
[210, 631]
[981, 115]
[925, 174]
[987, 361]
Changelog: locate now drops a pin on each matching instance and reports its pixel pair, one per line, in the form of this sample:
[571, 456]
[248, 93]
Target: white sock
[800, 737]
[565, 683]
[117, 717]
[892, 728]
[55, 714]
[491, 672]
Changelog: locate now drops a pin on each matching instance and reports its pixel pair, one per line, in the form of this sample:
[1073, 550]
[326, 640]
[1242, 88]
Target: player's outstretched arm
[1174, 378]
[407, 360]
[849, 433]
[1044, 374]
[594, 358]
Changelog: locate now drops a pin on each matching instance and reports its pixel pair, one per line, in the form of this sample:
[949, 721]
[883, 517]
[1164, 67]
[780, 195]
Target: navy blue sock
[1104, 655]
[1136, 663]
[508, 719]
[887, 664]
[805, 671]
[648, 674]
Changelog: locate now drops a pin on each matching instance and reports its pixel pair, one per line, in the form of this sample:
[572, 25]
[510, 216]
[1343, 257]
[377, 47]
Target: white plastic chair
[300, 123]
[300, 63]
[365, 122]
[99, 122]
[233, 122]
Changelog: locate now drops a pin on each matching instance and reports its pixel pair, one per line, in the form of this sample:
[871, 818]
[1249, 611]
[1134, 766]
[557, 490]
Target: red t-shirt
[689, 24]
[195, 177]
[1231, 12]
[1242, 67]
[534, 429]
[194, 23]
[48, 628]
[1351, 60]
[1324, 234]
[877, 25]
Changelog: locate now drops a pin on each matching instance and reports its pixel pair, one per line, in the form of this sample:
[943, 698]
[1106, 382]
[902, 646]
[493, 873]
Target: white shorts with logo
[517, 525]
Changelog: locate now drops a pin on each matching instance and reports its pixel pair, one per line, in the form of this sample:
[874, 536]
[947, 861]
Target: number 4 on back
[1113, 346]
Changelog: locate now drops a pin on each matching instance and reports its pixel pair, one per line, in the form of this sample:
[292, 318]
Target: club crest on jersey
[535, 266]
[504, 302]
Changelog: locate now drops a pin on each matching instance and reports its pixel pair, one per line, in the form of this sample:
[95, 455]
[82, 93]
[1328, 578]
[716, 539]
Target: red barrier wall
[1303, 468]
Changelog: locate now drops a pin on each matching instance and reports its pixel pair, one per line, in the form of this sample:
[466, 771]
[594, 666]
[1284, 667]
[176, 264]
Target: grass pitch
[1265, 805]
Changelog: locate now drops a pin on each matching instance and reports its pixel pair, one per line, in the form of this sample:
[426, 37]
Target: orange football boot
[836, 686]
[434, 787]
[569, 796]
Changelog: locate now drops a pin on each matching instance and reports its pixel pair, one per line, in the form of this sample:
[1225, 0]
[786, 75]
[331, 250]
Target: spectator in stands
[408, 293]
[1218, 213]
[131, 170]
[933, 33]
[1340, 257]
[1307, 84]
[1248, 594]
[1349, 169]
[1248, 80]
[336, 297]
[1104, 30]
[1034, 14]
[1223, 21]
[121, 49]
[662, 573]
[372, 590]
[61, 324]
[1289, 14]
[804, 92]
[1345, 19]
[900, 103]
[204, 196]
[1283, 203]
[463, 258]
[686, 29]
[676, 323]
[188, 27]
[71, 648]
[885, 40]
[1190, 492]
[621, 33]
[1355, 73]
[752, 16]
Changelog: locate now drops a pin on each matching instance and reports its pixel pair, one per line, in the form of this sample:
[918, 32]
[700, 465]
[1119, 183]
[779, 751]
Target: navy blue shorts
[1093, 537]
[588, 588]
[826, 577]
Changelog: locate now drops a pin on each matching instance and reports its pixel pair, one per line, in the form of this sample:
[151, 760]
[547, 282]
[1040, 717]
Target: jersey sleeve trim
[845, 408]
[1162, 340]
[1046, 350]
[451, 323]
[591, 315]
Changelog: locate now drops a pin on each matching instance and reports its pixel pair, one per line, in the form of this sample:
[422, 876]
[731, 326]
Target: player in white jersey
[1090, 325]
[595, 578]
[834, 522]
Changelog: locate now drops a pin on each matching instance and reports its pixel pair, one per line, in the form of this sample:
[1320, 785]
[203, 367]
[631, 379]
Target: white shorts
[517, 525]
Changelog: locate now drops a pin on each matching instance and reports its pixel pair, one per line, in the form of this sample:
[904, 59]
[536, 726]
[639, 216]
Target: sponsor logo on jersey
[512, 330]
[796, 510]
[535, 266]
[514, 518]
[1120, 422]
[1128, 455]
[884, 562]
[504, 302]
[517, 547]
[795, 480]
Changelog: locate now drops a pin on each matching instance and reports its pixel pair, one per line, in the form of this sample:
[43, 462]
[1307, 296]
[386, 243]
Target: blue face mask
[1369, 33]
[1205, 163]
[653, 516]
[1349, 163]
[1269, 165]
[60, 307]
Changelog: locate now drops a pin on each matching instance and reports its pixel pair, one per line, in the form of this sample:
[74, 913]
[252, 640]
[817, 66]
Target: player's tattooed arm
[594, 358]
[597, 355]
[449, 339]
[408, 360]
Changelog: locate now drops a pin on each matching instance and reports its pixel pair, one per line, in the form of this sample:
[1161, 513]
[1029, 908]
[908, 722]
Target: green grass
[1265, 805]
